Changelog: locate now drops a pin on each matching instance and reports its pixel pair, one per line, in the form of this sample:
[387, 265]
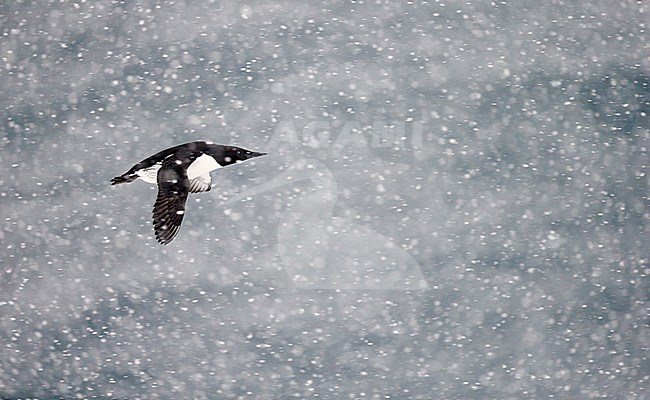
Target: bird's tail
[123, 179]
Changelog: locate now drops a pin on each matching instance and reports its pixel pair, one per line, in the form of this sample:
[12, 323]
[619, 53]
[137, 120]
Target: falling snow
[455, 204]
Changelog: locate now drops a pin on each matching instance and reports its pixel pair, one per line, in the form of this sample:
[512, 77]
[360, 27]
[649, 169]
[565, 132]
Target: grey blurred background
[514, 177]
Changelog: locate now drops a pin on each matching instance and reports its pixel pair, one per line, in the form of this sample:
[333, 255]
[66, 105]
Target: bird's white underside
[149, 175]
[201, 166]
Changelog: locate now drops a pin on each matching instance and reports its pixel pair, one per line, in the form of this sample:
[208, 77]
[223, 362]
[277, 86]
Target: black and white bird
[178, 171]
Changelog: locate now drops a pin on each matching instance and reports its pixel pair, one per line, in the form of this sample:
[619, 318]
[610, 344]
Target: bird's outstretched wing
[173, 188]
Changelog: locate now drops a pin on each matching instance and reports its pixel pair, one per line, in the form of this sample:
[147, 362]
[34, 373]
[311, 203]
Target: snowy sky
[455, 203]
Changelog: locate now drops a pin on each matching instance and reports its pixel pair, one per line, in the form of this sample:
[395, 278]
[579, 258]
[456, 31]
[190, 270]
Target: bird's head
[234, 154]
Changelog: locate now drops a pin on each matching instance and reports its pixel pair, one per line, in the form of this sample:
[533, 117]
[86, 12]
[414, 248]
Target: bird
[178, 171]
[320, 250]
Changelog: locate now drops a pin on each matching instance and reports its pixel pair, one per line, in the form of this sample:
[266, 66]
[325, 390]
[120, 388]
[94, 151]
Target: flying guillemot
[178, 171]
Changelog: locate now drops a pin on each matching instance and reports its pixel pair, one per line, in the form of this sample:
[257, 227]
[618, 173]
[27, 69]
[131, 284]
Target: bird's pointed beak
[250, 154]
